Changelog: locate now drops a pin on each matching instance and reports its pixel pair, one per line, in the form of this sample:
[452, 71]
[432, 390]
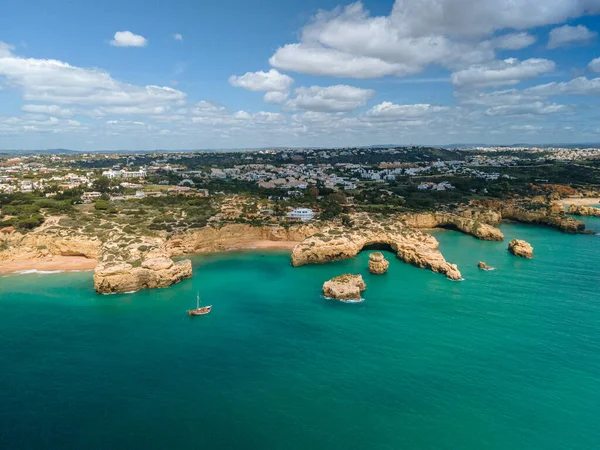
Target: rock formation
[411, 246]
[125, 264]
[484, 266]
[345, 287]
[469, 225]
[520, 248]
[378, 264]
[581, 210]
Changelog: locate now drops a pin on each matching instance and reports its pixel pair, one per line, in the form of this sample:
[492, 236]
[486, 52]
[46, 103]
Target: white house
[303, 214]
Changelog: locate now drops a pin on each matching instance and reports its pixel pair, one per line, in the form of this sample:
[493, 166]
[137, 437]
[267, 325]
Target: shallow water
[506, 359]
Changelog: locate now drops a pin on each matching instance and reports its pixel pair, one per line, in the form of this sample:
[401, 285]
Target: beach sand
[54, 263]
[265, 245]
[580, 201]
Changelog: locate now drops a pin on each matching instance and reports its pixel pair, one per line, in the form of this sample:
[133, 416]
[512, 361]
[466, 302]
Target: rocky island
[484, 266]
[520, 248]
[378, 265]
[344, 287]
[582, 210]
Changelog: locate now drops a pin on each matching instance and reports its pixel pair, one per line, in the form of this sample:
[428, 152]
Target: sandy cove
[80, 263]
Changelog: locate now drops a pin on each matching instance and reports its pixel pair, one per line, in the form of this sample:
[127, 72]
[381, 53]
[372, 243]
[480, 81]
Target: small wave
[345, 301]
[39, 272]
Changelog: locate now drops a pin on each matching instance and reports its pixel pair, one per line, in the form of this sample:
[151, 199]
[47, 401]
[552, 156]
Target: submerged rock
[378, 264]
[344, 287]
[520, 248]
[484, 266]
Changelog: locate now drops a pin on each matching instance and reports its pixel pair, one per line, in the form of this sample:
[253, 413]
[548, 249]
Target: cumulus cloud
[391, 111]
[57, 82]
[594, 65]
[329, 99]
[272, 81]
[501, 73]
[568, 35]
[128, 39]
[525, 109]
[275, 97]
[350, 42]
[514, 41]
[178, 37]
[52, 110]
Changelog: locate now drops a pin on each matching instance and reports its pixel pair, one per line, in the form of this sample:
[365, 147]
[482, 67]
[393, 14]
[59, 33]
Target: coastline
[80, 263]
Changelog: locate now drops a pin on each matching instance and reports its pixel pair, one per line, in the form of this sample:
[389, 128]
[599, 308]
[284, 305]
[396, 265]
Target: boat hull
[199, 311]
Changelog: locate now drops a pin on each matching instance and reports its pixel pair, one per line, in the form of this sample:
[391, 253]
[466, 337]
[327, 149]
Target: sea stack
[345, 287]
[520, 248]
[582, 210]
[484, 266]
[378, 264]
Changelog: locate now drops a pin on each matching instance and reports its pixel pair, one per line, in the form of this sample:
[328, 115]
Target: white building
[124, 174]
[303, 214]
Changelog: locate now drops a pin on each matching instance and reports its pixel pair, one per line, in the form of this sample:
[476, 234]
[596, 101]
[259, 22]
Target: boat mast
[198, 301]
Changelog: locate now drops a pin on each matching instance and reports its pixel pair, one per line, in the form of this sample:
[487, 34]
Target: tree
[101, 184]
[101, 205]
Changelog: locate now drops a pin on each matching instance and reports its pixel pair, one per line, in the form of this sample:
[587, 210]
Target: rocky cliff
[476, 225]
[345, 287]
[410, 245]
[127, 264]
[581, 210]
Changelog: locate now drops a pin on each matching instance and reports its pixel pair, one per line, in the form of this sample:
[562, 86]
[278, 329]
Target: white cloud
[525, 109]
[594, 65]
[5, 49]
[501, 73]
[52, 110]
[529, 128]
[275, 97]
[514, 41]
[329, 99]
[57, 82]
[128, 39]
[567, 35]
[391, 111]
[577, 86]
[349, 42]
[178, 37]
[271, 81]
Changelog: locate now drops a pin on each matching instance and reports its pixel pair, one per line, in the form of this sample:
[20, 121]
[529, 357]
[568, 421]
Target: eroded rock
[520, 248]
[378, 265]
[344, 287]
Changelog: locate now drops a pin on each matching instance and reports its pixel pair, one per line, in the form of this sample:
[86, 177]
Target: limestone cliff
[128, 264]
[410, 245]
[469, 223]
[520, 248]
[345, 287]
[378, 265]
[582, 210]
[214, 239]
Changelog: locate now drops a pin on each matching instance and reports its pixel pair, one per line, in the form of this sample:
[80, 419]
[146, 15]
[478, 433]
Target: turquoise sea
[508, 359]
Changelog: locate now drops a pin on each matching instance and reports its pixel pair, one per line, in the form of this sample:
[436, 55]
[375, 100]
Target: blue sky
[230, 74]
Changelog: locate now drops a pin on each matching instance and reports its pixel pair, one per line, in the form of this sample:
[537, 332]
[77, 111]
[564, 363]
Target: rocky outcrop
[378, 265]
[410, 245]
[520, 248]
[469, 223]
[127, 264]
[484, 266]
[582, 210]
[537, 211]
[345, 287]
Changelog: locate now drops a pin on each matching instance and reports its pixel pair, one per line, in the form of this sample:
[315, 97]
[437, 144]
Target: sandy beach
[50, 264]
[580, 201]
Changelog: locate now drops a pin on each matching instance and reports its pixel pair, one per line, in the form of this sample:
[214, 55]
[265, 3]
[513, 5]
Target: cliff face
[476, 225]
[211, 239]
[540, 212]
[41, 245]
[345, 287]
[581, 210]
[127, 264]
[410, 245]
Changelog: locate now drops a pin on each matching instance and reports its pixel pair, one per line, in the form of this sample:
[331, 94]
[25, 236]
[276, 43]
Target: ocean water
[507, 359]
